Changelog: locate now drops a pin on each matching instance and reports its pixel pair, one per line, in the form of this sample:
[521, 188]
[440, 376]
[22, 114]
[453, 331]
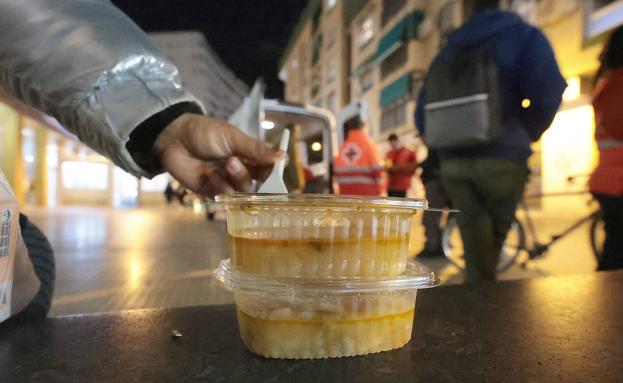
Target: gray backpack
[463, 105]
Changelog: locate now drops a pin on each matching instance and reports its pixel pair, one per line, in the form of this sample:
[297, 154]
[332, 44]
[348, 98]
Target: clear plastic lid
[416, 276]
[321, 200]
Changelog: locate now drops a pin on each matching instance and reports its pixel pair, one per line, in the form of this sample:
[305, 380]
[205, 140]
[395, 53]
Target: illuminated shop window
[156, 184]
[84, 175]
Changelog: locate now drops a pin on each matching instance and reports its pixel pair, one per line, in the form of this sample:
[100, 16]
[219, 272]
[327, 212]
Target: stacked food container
[321, 276]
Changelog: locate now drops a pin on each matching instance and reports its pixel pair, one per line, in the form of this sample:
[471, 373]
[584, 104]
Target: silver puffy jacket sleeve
[88, 65]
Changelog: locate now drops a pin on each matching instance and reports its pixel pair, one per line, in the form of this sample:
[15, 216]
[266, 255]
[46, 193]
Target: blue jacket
[528, 70]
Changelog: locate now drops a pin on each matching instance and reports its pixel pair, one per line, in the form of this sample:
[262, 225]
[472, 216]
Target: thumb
[250, 149]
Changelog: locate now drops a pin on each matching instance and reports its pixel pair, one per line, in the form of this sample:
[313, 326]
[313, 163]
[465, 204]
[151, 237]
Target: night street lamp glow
[268, 125]
[316, 146]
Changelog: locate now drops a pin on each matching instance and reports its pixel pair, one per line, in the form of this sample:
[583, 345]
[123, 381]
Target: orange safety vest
[358, 167]
[608, 175]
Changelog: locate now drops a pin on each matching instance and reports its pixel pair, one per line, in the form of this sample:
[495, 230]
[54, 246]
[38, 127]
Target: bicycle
[517, 241]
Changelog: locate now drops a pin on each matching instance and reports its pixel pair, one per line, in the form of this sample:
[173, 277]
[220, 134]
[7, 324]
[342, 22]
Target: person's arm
[88, 65]
[541, 83]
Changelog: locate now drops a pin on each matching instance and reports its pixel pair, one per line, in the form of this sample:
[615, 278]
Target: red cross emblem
[351, 153]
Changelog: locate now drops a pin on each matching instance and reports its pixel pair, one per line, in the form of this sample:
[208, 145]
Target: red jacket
[608, 104]
[358, 167]
[400, 180]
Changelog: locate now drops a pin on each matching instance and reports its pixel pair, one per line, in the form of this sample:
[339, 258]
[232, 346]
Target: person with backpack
[490, 92]
[606, 182]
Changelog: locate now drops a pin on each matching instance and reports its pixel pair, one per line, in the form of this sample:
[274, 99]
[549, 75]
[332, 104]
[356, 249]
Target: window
[316, 45]
[394, 115]
[303, 54]
[316, 19]
[331, 4]
[366, 32]
[84, 175]
[315, 85]
[314, 90]
[330, 38]
[331, 102]
[331, 70]
[395, 61]
[367, 80]
[390, 9]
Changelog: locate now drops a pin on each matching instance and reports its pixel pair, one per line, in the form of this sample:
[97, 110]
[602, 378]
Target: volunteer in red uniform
[358, 167]
[606, 183]
[401, 165]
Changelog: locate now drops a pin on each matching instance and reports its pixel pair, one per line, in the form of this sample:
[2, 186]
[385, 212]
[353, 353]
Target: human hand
[210, 156]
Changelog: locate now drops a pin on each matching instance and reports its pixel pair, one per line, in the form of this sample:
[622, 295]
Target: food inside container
[325, 236]
[304, 318]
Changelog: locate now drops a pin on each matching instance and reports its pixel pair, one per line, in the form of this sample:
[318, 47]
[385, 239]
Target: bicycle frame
[538, 248]
[525, 236]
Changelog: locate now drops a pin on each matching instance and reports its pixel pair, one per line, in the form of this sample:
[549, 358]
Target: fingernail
[235, 165]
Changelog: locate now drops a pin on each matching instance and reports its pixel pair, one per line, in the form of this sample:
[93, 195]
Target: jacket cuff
[142, 139]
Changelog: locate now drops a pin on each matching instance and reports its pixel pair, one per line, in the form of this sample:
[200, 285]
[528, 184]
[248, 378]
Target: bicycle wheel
[452, 245]
[598, 236]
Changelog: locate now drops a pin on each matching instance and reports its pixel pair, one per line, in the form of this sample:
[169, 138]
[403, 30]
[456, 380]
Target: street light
[316, 146]
[267, 124]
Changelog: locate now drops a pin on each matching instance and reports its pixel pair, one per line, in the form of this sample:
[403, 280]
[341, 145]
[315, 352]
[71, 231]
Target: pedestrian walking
[492, 90]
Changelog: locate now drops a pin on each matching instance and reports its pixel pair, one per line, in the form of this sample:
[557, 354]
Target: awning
[395, 90]
[406, 28]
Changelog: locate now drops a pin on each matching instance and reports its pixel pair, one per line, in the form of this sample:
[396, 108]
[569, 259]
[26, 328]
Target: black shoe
[427, 253]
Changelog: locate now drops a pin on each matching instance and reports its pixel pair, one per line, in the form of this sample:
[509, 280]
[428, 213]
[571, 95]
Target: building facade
[202, 71]
[316, 66]
[392, 42]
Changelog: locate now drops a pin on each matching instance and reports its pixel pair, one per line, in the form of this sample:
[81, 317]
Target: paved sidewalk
[110, 260]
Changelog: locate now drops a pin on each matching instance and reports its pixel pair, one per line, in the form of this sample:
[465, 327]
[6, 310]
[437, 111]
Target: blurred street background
[119, 245]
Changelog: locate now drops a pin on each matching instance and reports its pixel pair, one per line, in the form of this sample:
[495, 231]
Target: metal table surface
[554, 329]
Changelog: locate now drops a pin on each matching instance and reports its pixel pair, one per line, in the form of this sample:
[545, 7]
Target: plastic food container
[303, 318]
[324, 236]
